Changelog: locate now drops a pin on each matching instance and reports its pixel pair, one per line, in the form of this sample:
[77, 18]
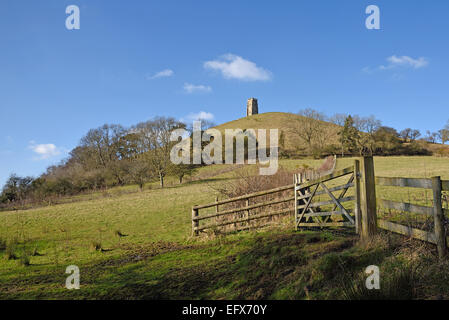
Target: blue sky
[132, 60]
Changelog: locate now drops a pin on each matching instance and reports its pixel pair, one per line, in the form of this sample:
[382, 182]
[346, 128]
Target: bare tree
[367, 127]
[338, 119]
[443, 135]
[414, 134]
[102, 145]
[155, 144]
[310, 128]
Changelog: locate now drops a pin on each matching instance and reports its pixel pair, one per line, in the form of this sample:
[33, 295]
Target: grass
[155, 257]
[285, 122]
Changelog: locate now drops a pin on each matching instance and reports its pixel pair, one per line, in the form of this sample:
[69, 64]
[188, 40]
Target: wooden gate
[316, 205]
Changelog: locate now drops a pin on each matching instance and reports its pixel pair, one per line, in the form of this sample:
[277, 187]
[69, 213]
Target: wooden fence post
[368, 199]
[440, 234]
[216, 207]
[195, 223]
[247, 212]
[357, 209]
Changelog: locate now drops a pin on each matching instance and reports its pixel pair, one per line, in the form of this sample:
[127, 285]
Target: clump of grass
[34, 252]
[400, 284]
[96, 245]
[2, 244]
[25, 258]
[10, 250]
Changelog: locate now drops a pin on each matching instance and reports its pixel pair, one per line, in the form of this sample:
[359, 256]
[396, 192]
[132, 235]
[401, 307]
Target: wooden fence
[308, 212]
[437, 212]
[245, 210]
[297, 198]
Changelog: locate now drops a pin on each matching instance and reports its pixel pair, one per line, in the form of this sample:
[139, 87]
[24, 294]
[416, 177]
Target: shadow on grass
[309, 265]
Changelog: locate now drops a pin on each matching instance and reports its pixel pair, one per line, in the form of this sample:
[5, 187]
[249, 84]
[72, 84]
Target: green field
[157, 258]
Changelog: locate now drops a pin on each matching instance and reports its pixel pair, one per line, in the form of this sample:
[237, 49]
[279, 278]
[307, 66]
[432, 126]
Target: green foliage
[349, 135]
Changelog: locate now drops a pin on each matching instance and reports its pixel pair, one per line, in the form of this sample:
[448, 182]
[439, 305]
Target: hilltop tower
[252, 107]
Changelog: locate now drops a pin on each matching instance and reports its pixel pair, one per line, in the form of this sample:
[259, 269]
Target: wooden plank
[407, 207]
[195, 223]
[324, 214]
[254, 206]
[357, 205]
[407, 231]
[404, 182]
[368, 198]
[445, 185]
[244, 197]
[245, 219]
[327, 224]
[338, 203]
[328, 177]
[438, 217]
[306, 206]
[344, 187]
[325, 203]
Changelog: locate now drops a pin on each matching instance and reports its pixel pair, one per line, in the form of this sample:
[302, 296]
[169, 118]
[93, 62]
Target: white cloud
[235, 67]
[162, 74]
[191, 88]
[405, 61]
[44, 151]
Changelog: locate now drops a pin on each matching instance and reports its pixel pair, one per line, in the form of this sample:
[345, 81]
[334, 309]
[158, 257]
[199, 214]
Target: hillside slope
[286, 123]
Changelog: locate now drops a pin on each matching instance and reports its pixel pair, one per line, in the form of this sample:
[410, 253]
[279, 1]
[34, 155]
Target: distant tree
[348, 136]
[414, 134]
[366, 126]
[371, 126]
[443, 135]
[310, 127]
[155, 144]
[104, 149]
[405, 134]
[16, 188]
[431, 137]
[181, 170]
[338, 119]
[387, 140]
[138, 171]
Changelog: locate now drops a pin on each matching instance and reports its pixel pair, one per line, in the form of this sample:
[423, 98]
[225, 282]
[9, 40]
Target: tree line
[360, 136]
[108, 156]
[113, 155]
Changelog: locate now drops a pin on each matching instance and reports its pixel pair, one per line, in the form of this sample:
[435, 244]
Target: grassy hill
[285, 122]
[158, 259]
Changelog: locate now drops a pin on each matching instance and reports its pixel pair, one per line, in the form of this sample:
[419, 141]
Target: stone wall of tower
[252, 107]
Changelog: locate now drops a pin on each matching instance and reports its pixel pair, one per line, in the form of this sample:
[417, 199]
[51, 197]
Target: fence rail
[438, 236]
[196, 217]
[365, 208]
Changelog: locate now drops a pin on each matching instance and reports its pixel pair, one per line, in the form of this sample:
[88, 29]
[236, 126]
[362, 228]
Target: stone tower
[252, 107]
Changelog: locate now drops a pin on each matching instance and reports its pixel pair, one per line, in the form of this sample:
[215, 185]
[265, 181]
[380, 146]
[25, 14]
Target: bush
[442, 152]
